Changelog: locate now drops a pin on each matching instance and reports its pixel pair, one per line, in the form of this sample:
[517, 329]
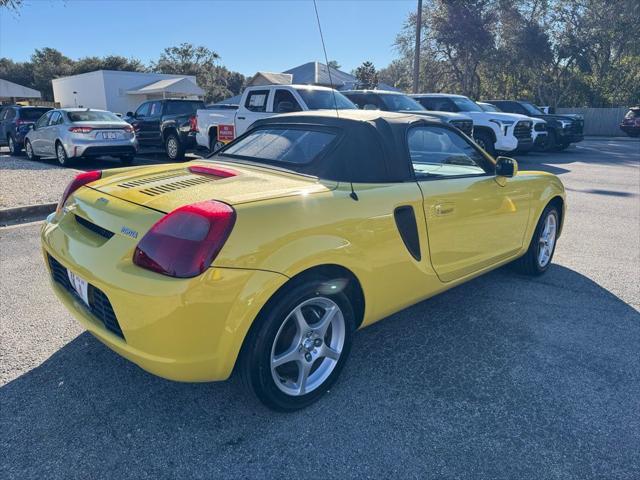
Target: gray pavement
[503, 377]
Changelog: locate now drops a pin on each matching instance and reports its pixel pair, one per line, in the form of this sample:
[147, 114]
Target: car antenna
[353, 193]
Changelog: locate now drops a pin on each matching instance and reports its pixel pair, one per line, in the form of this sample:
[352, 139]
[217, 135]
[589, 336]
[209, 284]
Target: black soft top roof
[370, 146]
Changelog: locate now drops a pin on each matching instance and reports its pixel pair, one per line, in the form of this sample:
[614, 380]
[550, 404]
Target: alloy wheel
[172, 148]
[308, 345]
[61, 154]
[29, 150]
[547, 240]
[12, 146]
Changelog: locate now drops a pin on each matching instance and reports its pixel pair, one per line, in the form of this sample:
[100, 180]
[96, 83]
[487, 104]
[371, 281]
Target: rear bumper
[179, 329]
[91, 148]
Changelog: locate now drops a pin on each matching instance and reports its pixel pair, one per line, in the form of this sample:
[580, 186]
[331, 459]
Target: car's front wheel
[298, 348]
[30, 153]
[543, 244]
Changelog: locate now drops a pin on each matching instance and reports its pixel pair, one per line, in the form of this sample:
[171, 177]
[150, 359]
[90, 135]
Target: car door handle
[442, 209]
[241, 118]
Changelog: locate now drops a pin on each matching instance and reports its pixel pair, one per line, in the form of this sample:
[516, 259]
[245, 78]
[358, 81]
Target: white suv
[493, 131]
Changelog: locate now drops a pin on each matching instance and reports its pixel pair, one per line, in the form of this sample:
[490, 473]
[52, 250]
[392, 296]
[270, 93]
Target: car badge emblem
[129, 232]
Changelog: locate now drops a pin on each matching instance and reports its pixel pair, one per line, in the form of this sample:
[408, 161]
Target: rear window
[32, 113]
[281, 145]
[92, 116]
[325, 100]
[183, 108]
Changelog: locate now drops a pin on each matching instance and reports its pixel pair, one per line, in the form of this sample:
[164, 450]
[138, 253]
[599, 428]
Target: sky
[249, 35]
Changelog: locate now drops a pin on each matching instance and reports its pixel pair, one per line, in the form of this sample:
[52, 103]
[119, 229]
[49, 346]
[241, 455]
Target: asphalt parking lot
[503, 377]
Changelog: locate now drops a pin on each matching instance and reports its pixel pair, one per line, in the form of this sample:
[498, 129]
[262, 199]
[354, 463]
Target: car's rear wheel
[543, 244]
[485, 141]
[14, 149]
[29, 149]
[173, 147]
[552, 140]
[298, 348]
[214, 144]
[61, 155]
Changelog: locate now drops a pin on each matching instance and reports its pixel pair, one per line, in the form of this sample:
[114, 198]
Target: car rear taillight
[80, 129]
[128, 128]
[22, 122]
[184, 243]
[193, 123]
[215, 171]
[80, 180]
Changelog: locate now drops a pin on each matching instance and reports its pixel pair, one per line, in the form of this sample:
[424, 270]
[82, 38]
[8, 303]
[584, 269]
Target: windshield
[281, 145]
[466, 105]
[396, 103]
[32, 113]
[92, 116]
[532, 109]
[325, 100]
[487, 107]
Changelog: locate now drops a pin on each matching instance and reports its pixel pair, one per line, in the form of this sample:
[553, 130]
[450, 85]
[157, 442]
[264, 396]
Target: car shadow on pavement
[504, 376]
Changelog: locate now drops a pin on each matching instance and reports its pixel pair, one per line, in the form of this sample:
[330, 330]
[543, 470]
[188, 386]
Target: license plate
[80, 286]
[109, 135]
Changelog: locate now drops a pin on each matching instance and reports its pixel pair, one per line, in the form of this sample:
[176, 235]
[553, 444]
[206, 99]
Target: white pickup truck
[217, 127]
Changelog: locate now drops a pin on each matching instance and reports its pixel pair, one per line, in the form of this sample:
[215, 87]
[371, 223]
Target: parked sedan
[266, 258]
[74, 133]
[631, 122]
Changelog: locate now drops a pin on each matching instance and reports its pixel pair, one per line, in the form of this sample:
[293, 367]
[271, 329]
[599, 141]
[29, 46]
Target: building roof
[179, 86]
[270, 78]
[13, 90]
[317, 73]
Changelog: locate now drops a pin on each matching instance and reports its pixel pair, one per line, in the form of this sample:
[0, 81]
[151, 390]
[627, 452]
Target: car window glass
[437, 151]
[437, 104]
[53, 119]
[257, 101]
[32, 114]
[325, 99]
[143, 110]
[183, 108]
[281, 145]
[398, 102]
[92, 116]
[10, 114]
[43, 120]
[284, 101]
[155, 109]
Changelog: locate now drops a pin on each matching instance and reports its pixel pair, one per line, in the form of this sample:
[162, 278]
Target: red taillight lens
[215, 171]
[128, 128]
[80, 180]
[185, 242]
[80, 129]
[193, 123]
[22, 122]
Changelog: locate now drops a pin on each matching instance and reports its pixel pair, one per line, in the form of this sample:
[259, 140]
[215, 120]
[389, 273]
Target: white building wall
[106, 89]
[89, 87]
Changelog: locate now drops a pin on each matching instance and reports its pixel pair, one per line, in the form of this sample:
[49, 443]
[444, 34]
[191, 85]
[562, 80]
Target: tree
[334, 64]
[47, 64]
[217, 81]
[110, 62]
[367, 75]
[11, 4]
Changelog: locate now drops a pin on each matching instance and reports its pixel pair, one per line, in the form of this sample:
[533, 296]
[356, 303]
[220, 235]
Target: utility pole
[416, 60]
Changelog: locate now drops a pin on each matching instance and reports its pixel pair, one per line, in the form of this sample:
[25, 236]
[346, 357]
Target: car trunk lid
[167, 187]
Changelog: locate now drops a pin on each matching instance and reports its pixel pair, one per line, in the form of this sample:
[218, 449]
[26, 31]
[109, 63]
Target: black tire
[61, 155]
[552, 141]
[254, 363]
[126, 159]
[29, 150]
[214, 143]
[485, 141]
[174, 148]
[14, 148]
[529, 263]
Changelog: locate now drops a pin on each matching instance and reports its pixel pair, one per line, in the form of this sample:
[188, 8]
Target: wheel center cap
[307, 344]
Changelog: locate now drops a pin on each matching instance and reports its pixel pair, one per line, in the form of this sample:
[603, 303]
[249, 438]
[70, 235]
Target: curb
[11, 214]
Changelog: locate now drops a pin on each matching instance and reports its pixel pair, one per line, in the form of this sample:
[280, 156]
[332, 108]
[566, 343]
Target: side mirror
[131, 114]
[506, 167]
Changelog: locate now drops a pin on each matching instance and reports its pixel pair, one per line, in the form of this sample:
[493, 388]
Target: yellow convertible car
[265, 258]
